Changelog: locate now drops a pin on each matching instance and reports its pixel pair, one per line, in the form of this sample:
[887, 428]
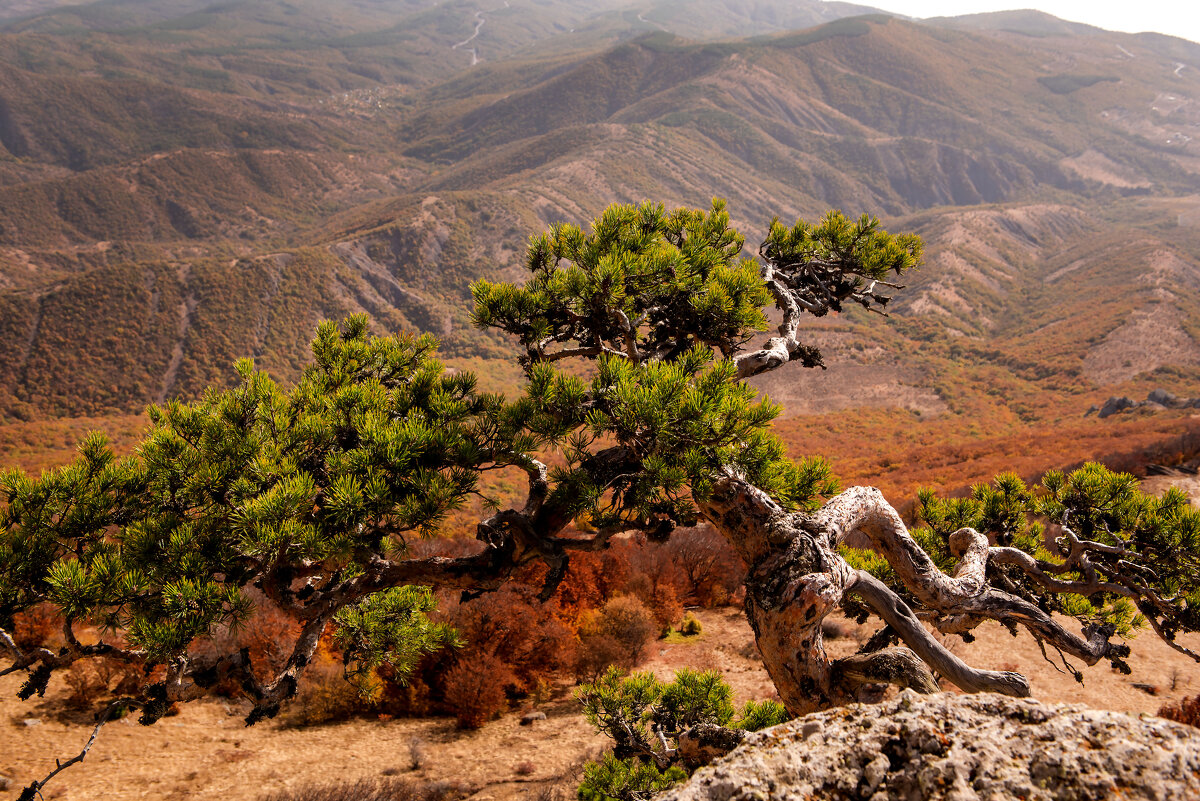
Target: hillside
[183, 184]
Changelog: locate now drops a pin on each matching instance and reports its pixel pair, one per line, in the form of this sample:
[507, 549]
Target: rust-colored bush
[36, 627]
[269, 635]
[324, 696]
[585, 586]
[655, 579]
[662, 600]
[616, 600]
[409, 695]
[594, 655]
[709, 570]
[1186, 710]
[518, 630]
[86, 686]
[627, 621]
[664, 604]
[92, 680]
[696, 566]
[474, 689]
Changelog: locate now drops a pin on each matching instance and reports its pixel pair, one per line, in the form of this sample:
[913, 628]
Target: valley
[200, 213]
[184, 183]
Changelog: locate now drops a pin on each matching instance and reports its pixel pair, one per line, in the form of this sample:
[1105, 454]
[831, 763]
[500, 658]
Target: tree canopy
[637, 337]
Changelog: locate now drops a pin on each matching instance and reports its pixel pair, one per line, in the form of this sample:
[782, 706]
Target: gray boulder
[949, 747]
[1114, 405]
[1158, 399]
[1164, 398]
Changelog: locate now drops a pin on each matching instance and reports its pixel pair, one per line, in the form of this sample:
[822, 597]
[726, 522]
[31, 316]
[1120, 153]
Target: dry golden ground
[206, 752]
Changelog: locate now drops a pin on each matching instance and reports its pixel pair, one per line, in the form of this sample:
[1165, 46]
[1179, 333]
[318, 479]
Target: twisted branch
[965, 598]
[35, 789]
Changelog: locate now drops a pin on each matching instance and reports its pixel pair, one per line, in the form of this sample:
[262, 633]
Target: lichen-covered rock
[958, 748]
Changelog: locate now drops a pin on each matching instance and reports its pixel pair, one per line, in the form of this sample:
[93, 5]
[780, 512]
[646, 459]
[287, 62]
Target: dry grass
[374, 789]
[199, 753]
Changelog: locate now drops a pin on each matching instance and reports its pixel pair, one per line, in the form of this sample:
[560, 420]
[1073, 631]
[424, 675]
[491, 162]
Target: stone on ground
[958, 748]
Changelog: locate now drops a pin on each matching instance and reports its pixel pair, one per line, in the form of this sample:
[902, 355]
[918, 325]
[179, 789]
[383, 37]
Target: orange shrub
[269, 635]
[709, 571]
[661, 600]
[511, 625]
[585, 586]
[474, 688]
[1186, 710]
[323, 695]
[627, 621]
[594, 655]
[36, 627]
[91, 680]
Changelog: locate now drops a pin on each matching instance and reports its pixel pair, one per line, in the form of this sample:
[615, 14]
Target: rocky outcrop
[1157, 399]
[958, 748]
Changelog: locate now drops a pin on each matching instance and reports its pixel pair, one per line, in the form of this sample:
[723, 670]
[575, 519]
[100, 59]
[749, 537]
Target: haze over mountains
[184, 183]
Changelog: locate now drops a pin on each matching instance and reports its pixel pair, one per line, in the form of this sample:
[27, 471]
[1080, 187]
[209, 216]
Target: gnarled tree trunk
[797, 578]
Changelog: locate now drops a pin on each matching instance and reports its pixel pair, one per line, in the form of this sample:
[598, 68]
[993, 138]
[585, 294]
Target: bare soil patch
[207, 752]
[1093, 165]
[1150, 338]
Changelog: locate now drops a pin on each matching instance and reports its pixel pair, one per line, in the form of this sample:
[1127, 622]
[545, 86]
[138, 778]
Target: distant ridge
[179, 193]
[1028, 21]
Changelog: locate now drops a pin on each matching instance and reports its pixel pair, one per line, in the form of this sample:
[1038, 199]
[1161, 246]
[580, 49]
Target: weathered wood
[797, 578]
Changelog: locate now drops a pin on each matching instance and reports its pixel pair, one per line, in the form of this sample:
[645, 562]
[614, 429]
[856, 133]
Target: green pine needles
[293, 491]
[1092, 511]
[656, 283]
[650, 722]
[658, 304]
[636, 338]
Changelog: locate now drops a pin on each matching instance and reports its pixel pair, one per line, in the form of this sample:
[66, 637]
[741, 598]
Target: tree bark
[796, 578]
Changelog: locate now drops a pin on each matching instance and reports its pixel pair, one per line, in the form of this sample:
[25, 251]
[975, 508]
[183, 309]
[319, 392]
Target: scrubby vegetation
[183, 188]
[1185, 711]
[323, 496]
[659, 730]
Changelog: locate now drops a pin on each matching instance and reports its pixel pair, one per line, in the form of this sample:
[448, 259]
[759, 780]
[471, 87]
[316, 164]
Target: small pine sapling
[661, 732]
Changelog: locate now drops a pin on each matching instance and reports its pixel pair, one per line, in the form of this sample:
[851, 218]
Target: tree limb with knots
[310, 493]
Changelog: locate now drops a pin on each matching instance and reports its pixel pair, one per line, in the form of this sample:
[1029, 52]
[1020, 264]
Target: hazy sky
[1176, 17]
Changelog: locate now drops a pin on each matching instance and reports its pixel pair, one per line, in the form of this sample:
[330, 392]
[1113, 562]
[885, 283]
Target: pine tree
[311, 493]
[662, 731]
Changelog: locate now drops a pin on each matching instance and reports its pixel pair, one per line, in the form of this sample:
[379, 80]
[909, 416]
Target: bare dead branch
[1037, 570]
[630, 334]
[966, 595]
[900, 617]
[35, 789]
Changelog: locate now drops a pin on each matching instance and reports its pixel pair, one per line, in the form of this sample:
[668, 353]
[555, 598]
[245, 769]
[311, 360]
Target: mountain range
[183, 183]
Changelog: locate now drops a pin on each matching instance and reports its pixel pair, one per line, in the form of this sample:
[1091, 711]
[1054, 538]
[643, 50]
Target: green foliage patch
[645, 718]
